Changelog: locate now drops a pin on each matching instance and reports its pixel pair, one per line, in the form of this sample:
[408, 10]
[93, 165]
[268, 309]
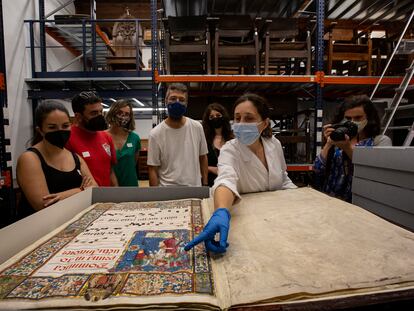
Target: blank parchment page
[300, 243]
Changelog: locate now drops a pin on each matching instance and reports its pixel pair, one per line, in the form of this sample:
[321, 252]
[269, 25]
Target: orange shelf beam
[319, 78]
[361, 80]
[2, 82]
[299, 167]
[232, 78]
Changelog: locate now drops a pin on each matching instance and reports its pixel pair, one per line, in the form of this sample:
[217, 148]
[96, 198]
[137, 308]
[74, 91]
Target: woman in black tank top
[47, 172]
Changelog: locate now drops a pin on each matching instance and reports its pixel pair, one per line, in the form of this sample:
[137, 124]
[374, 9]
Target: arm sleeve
[287, 182]
[203, 142]
[227, 172]
[154, 152]
[319, 167]
[382, 140]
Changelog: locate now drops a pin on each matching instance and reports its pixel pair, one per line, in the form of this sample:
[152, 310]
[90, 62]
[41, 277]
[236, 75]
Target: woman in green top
[127, 143]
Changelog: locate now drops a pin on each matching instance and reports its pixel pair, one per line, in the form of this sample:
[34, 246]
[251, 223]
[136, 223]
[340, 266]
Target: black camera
[344, 128]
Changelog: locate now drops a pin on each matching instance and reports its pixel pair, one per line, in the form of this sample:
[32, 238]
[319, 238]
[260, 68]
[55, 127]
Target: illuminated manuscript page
[113, 254]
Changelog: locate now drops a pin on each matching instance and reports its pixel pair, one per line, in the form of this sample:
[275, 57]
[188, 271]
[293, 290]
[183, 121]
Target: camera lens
[339, 134]
[341, 129]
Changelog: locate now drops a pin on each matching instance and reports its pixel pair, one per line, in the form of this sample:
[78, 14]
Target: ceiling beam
[305, 4]
[348, 9]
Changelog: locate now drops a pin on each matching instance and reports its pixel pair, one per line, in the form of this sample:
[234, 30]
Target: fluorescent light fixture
[140, 109]
[148, 109]
[112, 100]
[138, 102]
[105, 105]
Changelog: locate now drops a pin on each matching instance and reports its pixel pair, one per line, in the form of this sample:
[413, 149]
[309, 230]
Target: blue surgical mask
[246, 133]
[176, 110]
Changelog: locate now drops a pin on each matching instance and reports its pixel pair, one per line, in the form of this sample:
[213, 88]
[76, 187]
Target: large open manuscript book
[286, 247]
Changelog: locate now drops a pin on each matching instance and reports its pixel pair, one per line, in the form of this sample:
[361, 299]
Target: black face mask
[96, 124]
[216, 122]
[58, 138]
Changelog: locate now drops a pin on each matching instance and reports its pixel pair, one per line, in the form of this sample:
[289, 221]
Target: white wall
[143, 127]
[18, 66]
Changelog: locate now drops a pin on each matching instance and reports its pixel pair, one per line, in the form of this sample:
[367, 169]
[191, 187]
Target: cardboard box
[383, 183]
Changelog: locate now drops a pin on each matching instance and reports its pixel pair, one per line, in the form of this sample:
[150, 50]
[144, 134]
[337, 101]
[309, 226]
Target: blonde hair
[115, 108]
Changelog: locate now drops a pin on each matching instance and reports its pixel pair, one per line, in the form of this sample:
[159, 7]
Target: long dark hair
[373, 127]
[209, 132]
[41, 113]
[262, 108]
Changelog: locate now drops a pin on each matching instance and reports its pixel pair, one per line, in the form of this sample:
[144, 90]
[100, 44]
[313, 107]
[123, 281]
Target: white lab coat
[240, 170]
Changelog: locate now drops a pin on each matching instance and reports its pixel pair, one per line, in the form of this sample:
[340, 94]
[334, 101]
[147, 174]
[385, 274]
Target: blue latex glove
[218, 223]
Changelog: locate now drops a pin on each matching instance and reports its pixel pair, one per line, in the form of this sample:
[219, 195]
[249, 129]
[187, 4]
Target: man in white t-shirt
[177, 148]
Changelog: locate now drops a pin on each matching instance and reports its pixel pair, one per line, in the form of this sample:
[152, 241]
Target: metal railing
[88, 43]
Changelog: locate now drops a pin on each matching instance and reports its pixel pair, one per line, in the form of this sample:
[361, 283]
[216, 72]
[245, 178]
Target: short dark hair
[177, 87]
[226, 129]
[84, 98]
[373, 127]
[41, 112]
[262, 108]
[115, 107]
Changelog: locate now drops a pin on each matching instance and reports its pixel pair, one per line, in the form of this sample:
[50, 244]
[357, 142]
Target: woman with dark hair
[127, 143]
[252, 162]
[333, 166]
[47, 172]
[217, 129]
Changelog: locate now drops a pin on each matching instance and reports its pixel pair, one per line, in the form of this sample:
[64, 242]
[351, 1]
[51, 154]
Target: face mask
[246, 133]
[96, 124]
[216, 122]
[122, 121]
[58, 138]
[176, 110]
[361, 125]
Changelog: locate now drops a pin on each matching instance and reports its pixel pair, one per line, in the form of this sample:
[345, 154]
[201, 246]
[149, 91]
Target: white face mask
[361, 125]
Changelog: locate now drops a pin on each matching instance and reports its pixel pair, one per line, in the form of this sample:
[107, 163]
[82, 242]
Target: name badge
[129, 145]
[86, 154]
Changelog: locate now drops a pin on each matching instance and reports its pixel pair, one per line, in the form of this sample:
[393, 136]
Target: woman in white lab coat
[252, 162]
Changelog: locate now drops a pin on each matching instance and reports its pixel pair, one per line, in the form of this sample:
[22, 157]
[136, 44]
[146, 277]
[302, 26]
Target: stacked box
[384, 183]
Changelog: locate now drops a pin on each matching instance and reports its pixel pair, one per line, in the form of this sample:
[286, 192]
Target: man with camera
[356, 124]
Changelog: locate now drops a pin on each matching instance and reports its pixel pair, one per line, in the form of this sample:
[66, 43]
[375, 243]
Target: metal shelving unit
[318, 85]
[86, 42]
[73, 36]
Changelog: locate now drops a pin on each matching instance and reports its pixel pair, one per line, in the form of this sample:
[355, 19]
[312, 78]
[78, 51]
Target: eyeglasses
[123, 114]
